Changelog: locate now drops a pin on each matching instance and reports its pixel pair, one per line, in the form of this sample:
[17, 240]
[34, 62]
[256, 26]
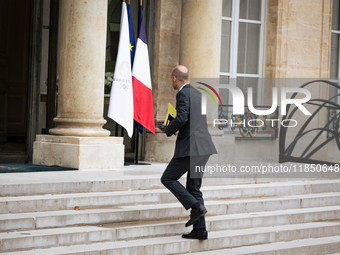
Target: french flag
[141, 80]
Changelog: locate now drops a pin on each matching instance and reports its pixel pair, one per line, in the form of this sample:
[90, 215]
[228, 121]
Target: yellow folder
[172, 113]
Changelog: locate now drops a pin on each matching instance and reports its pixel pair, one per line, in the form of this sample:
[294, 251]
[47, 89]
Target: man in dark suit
[193, 148]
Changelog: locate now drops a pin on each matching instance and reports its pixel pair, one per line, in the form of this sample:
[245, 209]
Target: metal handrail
[252, 125]
[331, 127]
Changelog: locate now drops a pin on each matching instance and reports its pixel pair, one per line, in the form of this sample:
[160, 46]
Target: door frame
[4, 64]
[34, 67]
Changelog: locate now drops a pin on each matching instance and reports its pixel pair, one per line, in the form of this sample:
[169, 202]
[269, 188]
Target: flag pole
[137, 144]
[137, 128]
[116, 132]
[122, 131]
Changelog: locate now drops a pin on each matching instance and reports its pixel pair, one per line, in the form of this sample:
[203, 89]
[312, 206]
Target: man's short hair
[181, 76]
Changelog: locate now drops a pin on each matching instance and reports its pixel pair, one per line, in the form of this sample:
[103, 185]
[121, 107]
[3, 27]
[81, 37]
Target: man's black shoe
[196, 214]
[195, 234]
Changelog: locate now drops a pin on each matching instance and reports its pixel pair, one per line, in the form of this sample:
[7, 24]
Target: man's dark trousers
[191, 194]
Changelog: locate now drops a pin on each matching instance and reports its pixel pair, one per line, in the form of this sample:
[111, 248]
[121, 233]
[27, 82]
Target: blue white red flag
[132, 52]
[141, 79]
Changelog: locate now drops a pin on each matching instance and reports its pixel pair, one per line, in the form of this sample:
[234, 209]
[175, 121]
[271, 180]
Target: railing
[333, 119]
[249, 125]
[331, 128]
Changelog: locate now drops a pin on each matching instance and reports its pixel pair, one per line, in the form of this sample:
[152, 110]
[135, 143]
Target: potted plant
[108, 82]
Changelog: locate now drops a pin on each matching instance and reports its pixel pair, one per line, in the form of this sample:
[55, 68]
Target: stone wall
[298, 37]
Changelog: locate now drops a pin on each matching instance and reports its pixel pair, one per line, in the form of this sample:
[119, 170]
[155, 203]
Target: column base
[83, 153]
[89, 132]
[160, 148]
[226, 148]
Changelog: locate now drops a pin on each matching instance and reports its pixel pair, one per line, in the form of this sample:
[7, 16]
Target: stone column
[82, 68]
[200, 52]
[79, 140]
[200, 49]
[201, 45]
[201, 38]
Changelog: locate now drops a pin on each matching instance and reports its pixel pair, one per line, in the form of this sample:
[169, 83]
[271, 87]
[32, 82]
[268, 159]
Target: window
[242, 46]
[334, 71]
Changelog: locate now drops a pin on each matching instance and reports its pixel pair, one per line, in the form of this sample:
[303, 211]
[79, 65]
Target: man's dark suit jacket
[193, 138]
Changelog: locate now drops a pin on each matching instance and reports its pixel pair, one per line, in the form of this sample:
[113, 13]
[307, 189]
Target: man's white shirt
[182, 86]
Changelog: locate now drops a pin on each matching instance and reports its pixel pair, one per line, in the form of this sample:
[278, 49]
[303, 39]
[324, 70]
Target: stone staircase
[136, 215]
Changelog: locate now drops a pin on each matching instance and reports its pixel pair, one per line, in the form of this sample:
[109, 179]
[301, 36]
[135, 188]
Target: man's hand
[161, 127]
[167, 124]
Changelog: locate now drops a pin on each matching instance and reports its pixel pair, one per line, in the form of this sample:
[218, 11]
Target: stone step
[217, 240]
[233, 221]
[63, 218]
[43, 238]
[33, 185]
[23, 184]
[310, 246]
[54, 202]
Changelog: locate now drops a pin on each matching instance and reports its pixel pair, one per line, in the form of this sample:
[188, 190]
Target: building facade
[263, 44]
